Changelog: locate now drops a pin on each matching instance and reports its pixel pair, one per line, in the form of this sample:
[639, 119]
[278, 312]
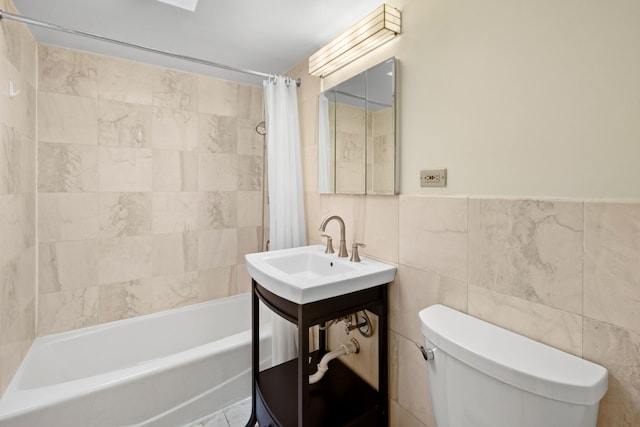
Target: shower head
[261, 128]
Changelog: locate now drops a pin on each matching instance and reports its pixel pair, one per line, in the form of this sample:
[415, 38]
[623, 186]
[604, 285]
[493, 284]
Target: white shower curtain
[286, 203]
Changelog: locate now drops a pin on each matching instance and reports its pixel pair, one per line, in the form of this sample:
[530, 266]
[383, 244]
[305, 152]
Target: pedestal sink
[306, 274]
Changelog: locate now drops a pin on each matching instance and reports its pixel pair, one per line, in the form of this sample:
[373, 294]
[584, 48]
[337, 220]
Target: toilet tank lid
[513, 358]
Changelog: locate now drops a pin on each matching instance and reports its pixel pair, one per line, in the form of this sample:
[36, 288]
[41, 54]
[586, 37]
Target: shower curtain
[286, 204]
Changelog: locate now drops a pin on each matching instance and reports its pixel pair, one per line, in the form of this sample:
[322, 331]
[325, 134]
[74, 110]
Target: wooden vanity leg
[303, 369]
[255, 350]
[383, 358]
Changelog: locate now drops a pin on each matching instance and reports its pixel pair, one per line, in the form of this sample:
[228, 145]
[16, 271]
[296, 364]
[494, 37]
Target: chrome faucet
[342, 252]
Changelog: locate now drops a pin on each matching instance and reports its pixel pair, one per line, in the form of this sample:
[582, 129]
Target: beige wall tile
[174, 212]
[29, 56]
[175, 129]
[124, 214]
[309, 155]
[17, 166]
[67, 71]
[175, 170]
[17, 225]
[68, 168]
[400, 417]
[67, 265]
[248, 241]
[122, 259]
[11, 38]
[218, 172]
[174, 89]
[18, 112]
[249, 141]
[249, 208]
[250, 172]
[10, 161]
[243, 280]
[67, 216]
[611, 267]
[218, 97]
[542, 323]
[174, 291]
[69, 309]
[216, 283]
[313, 218]
[124, 300]
[618, 350]
[125, 81]
[124, 125]
[66, 118]
[530, 249]
[250, 102]
[217, 210]
[17, 284]
[414, 290]
[380, 234]
[217, 248]
[174, 253]
[124, 169]
[433, 235]
[217, 134]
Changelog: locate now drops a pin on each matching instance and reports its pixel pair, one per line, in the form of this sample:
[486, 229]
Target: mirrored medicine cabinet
[357, 145]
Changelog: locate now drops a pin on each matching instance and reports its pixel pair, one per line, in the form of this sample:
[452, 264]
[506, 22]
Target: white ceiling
[269, 36]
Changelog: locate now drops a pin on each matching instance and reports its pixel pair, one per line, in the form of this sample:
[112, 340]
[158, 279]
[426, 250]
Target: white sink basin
[307, 274]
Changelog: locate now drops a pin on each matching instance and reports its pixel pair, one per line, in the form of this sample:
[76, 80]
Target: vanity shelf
[282, 395]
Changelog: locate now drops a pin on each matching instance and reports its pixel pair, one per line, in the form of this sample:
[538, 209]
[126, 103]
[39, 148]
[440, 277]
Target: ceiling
[269, 36]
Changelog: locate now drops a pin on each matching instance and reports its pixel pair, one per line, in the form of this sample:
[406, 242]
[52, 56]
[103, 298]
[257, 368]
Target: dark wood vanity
[282, 395]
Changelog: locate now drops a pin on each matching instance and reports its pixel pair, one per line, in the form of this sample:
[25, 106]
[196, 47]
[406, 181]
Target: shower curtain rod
[43, 24]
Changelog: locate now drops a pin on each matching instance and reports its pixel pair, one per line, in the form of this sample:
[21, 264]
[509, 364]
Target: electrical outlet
[433, 178]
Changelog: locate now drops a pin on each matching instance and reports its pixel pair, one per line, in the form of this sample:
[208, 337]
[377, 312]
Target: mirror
[356, 134]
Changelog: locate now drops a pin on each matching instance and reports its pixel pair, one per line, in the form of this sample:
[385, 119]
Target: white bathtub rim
[17, 401]
[60, 337]
[66, 335]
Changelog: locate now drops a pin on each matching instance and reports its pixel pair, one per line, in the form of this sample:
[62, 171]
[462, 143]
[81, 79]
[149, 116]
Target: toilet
[481, 375]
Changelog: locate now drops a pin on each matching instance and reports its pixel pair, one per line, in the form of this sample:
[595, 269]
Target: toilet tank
[486, 376]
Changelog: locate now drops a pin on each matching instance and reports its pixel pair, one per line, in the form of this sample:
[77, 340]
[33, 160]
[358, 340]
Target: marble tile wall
[563, 272]
[150, 188]
[17, 195]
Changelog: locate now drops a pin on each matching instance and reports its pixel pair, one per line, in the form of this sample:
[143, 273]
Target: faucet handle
[329, 249]
[354, 253]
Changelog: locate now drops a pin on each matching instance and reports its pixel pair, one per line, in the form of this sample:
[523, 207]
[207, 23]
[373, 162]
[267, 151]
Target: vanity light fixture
[375, 29]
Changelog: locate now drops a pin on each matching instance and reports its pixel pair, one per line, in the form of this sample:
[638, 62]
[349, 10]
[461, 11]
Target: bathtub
[163, 369]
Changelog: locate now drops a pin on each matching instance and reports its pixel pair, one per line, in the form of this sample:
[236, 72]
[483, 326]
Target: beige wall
[517, 98]
[149, 189]
[17, 194]
[494, 91]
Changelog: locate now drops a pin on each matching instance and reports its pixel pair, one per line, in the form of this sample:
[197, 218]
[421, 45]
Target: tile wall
[564, 272]
[17, 194]
[149, 189]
